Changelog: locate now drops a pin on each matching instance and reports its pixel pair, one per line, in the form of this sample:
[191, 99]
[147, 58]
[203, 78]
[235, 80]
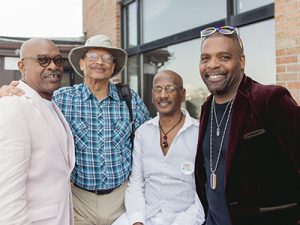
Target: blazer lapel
[69, 153]
[239, 109]
[45, 112]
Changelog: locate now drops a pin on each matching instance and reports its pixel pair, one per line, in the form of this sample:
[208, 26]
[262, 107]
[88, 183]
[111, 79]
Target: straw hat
[98, 41]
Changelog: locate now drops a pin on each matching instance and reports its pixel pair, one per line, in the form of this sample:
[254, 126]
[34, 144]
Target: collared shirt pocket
[122, 133]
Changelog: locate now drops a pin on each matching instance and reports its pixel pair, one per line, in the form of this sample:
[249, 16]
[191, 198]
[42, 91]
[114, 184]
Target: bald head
[34, 45]
[169, 74]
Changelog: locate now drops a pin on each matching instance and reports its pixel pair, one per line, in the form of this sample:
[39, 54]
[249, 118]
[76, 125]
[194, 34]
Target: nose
[52, 64]
[99, 60]
[213, 63]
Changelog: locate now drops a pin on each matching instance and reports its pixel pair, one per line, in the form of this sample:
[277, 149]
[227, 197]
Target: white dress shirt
[161, 189]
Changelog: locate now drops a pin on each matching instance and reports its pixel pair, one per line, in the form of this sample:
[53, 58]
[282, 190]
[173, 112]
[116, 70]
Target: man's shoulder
[257, 88]
[70, 90]
[13, 105]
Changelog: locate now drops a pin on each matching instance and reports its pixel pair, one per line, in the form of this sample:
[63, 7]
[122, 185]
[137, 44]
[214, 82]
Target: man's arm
[14, 162]
[11, 89]
[194, 215]
[134, 197]
[284, 114]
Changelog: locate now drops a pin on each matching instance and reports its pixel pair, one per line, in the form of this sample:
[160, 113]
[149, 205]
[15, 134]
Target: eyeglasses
[169, 89]
[225, 30]
[94, 57]
[45, 61]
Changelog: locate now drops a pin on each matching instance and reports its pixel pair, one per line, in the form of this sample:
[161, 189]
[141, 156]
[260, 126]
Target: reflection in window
[259, 43]
[245, 5]
[132, 72]
[184, 59]
[167, 17]
[130, 26]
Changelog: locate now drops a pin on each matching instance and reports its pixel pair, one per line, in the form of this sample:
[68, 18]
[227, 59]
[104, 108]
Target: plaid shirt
[101, 133]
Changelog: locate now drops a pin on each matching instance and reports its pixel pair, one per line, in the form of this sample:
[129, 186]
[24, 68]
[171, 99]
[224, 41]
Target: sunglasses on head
[45, 61]
[225, 30]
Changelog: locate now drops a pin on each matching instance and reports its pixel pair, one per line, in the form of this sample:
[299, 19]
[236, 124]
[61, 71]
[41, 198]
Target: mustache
[56, 73]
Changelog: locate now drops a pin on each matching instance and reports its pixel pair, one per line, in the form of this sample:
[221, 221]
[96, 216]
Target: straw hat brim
[120, 58]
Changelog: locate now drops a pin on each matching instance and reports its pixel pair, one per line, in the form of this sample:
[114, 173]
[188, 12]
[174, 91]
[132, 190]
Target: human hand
[11, 89]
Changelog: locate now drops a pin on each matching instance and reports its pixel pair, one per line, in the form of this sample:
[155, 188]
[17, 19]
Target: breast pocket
[122, 133]
[79, 130]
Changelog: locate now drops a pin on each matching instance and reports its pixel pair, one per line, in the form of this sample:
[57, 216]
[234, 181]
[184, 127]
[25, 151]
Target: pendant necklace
[165, 137]
[213, 176]
[216, 118]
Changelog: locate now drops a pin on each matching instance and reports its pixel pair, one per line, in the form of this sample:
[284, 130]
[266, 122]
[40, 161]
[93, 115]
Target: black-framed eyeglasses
[225, 30]
[169, 89]
[45, 61]
[94, 57]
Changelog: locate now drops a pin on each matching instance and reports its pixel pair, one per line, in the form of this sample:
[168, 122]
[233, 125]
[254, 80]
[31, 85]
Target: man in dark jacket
[248, 159]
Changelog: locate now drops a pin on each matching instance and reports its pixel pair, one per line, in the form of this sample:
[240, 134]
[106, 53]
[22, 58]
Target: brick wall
[102, 17]
[287, 27]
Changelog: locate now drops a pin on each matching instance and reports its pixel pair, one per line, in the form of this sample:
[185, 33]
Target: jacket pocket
[43, 213]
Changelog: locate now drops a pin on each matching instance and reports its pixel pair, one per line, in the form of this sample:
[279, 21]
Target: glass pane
[130, 25]
[132, 72]
[167, 17]
[260, 51]
[245, 5]
[184, 59]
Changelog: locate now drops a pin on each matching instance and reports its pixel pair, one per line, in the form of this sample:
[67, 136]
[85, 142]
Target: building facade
[165, 34]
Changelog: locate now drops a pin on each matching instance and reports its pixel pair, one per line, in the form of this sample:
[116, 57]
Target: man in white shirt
[161, 188]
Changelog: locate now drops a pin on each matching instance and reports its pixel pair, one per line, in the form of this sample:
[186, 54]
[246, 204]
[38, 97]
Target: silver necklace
[213, 176]
[217, 123]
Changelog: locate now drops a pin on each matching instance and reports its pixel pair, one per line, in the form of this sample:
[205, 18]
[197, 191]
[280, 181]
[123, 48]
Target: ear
[81, 64]
[242, 62]
[183, 95]
[21, 66]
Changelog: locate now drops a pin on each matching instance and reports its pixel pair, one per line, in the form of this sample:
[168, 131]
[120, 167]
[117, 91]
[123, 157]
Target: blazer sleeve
[285, 120]
[14, 161]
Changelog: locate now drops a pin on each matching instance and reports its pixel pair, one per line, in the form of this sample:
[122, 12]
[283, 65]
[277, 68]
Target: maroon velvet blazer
[262, 163]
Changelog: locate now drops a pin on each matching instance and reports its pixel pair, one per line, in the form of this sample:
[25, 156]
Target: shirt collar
[113, 93]
[187, 123]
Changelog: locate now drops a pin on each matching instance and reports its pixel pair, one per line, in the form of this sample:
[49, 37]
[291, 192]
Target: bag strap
[125, 95]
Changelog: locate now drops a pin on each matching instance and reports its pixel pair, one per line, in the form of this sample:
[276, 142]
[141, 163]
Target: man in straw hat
[100, 123]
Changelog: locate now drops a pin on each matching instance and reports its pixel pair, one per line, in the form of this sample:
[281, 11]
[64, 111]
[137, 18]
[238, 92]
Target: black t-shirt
[218, 211]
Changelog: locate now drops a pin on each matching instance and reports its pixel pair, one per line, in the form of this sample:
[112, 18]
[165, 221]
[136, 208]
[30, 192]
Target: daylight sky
[41, 18]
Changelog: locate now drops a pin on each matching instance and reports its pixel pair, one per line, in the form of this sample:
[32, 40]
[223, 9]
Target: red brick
[293, 85]
[293, 68]
[286, 60]
[288, 77]
[281, 52]
[280, 69]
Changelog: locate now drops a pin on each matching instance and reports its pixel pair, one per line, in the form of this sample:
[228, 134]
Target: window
[184, 59]
[130, 26]
[167, 17]
[245, 5]
[260, 51]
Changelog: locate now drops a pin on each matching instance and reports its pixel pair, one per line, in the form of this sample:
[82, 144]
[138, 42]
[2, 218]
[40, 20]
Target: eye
[169, 88]
[157, 89]
[43, 60]
[225, 57]
[204, 59]
[107, 58]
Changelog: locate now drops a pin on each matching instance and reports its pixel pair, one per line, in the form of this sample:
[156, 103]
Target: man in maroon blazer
[248, 158]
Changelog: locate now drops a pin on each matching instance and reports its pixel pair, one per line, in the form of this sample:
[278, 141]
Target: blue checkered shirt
[101, 133]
